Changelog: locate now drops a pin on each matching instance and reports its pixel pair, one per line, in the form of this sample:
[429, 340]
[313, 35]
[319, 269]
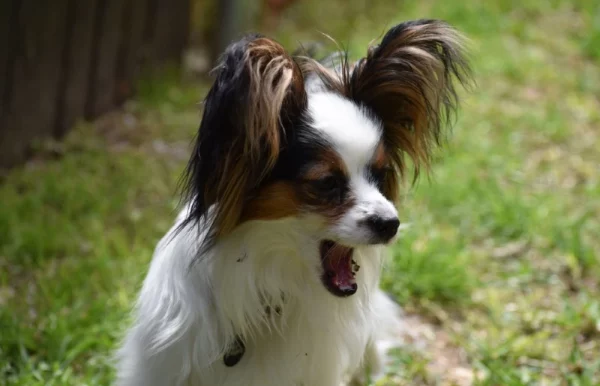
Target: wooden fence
[63, 60]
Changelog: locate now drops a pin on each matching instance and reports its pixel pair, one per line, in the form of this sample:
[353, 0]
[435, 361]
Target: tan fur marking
[274, 201]
[329, 163]
[270, 69]
[380, 158]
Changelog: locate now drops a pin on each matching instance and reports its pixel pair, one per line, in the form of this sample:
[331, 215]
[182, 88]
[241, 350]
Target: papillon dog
[270, 274]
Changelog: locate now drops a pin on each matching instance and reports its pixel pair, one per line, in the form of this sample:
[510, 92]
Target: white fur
[188, 314]
[192, 308]
[352, 132]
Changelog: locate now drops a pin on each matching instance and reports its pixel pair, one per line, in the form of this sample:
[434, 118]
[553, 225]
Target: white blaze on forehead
[352, 133]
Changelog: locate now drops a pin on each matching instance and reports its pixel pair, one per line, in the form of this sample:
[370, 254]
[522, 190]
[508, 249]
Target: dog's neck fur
[261, 267]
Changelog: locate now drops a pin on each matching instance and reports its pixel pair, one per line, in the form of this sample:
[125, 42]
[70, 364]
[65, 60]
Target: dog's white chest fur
[261, 283]
[298, 331]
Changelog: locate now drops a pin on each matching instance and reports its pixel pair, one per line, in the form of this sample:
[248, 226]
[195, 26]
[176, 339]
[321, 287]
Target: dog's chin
[339, 268]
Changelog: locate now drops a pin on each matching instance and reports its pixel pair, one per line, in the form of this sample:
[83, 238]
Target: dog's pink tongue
[339, 273]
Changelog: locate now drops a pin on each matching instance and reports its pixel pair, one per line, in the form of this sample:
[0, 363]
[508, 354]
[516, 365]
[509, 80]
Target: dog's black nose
[384, 228]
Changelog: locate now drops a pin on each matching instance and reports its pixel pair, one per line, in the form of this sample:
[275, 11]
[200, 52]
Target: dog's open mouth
[339, 268]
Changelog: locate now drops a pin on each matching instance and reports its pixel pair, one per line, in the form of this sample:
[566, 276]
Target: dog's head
[285, 136]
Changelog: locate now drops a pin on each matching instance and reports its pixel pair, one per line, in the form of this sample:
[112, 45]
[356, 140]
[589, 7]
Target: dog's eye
[329, 187]
[327, 184]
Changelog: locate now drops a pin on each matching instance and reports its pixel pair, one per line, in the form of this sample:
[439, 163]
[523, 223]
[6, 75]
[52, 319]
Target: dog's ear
[258, 88]
[408, 82]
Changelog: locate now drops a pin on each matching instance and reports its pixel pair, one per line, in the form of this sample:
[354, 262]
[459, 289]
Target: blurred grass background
[502, 258]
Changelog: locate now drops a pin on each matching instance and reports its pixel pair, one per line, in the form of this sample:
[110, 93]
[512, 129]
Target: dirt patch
[447, 362]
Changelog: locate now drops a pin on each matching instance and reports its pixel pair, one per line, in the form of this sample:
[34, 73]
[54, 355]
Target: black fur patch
[235, 353]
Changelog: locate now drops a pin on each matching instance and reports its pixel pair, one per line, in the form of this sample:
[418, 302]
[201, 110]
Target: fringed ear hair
[330, 72]
[408, 82]
[258, 88]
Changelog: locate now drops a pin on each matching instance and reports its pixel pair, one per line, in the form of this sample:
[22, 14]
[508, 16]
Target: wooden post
[235, 18]
[30, 113]
[7, 24]
[107, 35]
[131, 51]
[171, 30]
[77, 64]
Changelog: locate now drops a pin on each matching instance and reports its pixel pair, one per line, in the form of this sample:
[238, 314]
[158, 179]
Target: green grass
[76, 235]
[502, 256]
